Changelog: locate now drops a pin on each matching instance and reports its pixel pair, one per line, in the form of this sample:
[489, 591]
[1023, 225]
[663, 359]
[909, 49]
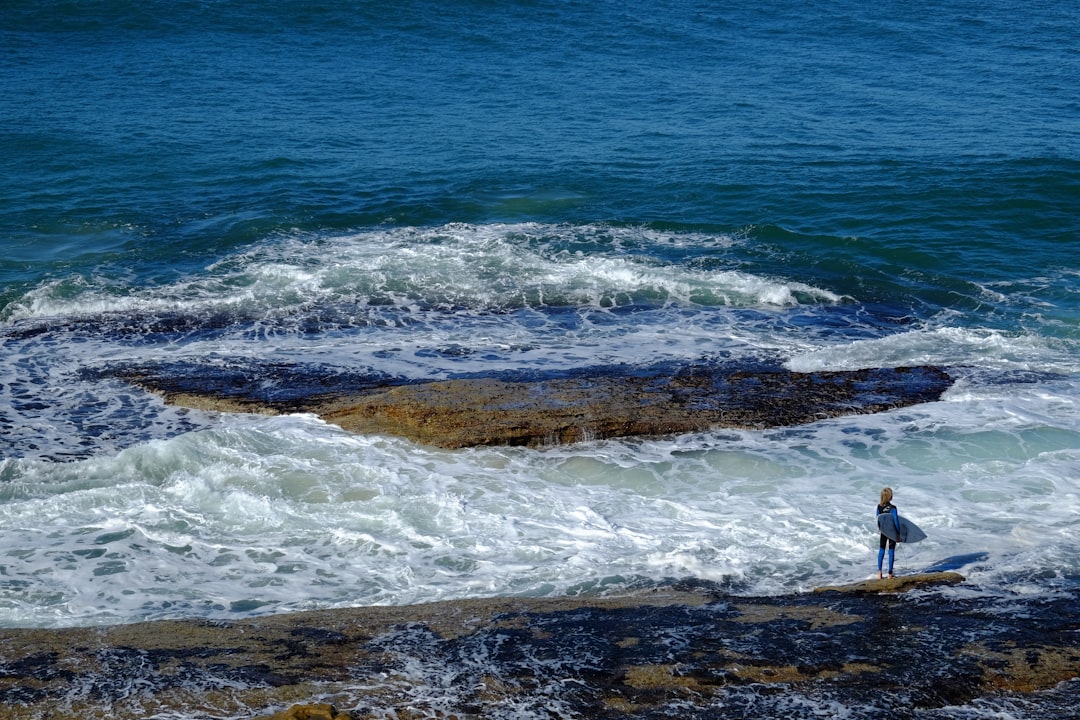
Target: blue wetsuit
[881, 509]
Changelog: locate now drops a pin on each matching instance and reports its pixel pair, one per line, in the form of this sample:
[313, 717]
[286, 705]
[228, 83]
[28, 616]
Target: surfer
[886, 506]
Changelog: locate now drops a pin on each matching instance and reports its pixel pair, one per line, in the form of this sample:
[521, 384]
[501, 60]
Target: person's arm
[896, 520]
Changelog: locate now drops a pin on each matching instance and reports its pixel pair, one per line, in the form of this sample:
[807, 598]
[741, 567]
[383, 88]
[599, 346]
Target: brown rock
[595, 404]
[898, 584]
[317, 711]
[486, 411]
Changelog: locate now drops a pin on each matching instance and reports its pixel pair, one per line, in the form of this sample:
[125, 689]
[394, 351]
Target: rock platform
[589, 404]
[900, 583]
[685, 648]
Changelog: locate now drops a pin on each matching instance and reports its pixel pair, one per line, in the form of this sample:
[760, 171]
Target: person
[886, 506]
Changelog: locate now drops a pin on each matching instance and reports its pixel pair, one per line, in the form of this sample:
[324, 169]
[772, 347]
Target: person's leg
[892, 556]
[881, 554]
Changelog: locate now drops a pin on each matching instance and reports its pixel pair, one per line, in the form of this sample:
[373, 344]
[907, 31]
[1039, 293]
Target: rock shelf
[684, 645]
[592, 404]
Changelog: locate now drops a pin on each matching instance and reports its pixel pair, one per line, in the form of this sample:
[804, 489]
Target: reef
[527, 409]
[682, 649]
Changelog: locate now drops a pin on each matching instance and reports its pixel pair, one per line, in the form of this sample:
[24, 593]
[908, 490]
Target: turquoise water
[432, 190]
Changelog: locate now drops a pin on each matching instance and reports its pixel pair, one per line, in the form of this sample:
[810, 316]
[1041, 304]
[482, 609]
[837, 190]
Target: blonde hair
[886, 495]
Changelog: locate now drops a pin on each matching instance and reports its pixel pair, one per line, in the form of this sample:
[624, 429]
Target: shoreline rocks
[686, 645]
[898, 584]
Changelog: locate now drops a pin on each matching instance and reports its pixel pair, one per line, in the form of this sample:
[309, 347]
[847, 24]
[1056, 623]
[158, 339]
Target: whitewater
[115, 507]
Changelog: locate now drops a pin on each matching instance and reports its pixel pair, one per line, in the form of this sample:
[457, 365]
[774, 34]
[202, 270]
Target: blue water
[440, 189]
[431, 190]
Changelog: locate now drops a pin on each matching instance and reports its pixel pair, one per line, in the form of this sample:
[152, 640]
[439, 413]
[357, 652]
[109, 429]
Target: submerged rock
[591, 404]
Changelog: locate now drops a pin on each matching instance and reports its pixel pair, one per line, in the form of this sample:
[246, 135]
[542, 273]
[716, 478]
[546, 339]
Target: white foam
[167, 512]
[947, 345]
[268, 514]
[490, 267]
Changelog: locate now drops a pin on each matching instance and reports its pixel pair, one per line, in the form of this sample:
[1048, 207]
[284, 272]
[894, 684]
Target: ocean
[437, 190]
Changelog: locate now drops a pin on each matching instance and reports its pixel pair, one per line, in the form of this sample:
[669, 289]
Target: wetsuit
[885, 539]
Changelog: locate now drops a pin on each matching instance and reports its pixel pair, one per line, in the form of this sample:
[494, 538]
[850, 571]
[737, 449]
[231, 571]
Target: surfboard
[909, 531]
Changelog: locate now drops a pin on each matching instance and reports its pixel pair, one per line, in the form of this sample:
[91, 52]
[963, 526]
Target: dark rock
[657, 653]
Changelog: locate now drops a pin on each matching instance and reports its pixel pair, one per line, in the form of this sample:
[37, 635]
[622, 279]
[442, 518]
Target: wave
[991, 350]
[485, 268]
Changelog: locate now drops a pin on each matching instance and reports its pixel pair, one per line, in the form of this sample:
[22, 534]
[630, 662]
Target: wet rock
[316, 711]
[685, 650]
[591, 404]
[900, 583]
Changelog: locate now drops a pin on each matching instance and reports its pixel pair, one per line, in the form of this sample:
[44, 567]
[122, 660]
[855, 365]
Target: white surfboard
[909, 531]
